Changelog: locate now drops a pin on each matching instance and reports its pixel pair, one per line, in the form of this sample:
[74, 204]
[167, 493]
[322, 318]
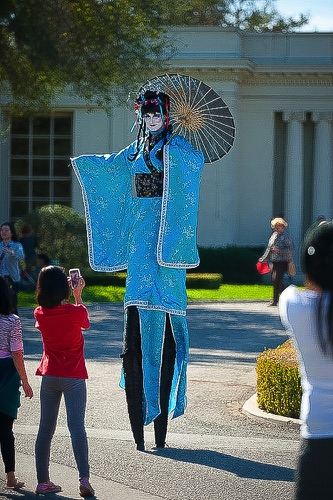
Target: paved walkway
[216, 450]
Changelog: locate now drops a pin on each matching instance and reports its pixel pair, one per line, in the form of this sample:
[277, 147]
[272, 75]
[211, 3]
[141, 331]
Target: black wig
[151, 102]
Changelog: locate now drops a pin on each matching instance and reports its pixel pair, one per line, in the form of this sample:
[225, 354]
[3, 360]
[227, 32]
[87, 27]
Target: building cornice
[286, 58]
[248, 76]
[301, 79]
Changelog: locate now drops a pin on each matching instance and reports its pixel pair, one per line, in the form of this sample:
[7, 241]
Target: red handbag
[263, 267]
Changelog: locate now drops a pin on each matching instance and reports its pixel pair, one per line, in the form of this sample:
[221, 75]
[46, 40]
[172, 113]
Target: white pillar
[323, 177]
[4, 166]
[294, 177]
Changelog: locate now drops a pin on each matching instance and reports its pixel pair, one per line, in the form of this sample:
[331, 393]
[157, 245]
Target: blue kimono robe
[155, 240]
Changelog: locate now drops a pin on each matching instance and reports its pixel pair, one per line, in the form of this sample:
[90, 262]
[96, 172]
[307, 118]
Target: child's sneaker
[85, 488]
[48, 487]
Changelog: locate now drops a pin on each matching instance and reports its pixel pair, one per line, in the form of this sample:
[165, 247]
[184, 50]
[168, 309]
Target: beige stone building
[279, 88]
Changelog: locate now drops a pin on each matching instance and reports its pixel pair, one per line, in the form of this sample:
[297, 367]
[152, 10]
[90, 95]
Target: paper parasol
[198, 113]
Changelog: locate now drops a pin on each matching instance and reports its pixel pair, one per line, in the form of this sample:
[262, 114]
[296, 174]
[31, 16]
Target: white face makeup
[154, 121]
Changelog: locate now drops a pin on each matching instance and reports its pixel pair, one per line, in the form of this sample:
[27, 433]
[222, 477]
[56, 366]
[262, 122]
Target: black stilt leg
[132, 364]
[168, 361]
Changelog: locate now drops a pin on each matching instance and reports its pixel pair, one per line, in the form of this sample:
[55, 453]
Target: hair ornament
[311, 250]
[155, 102]
[150, 101]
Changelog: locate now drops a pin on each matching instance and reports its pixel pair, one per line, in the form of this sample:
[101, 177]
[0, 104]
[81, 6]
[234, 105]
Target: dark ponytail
[317, 264]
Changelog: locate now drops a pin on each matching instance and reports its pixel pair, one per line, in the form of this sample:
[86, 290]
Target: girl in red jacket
[64, 373]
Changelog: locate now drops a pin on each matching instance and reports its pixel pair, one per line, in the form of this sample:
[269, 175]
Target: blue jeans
[75, 394]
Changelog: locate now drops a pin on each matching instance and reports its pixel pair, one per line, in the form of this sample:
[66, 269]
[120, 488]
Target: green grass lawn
[116, 294]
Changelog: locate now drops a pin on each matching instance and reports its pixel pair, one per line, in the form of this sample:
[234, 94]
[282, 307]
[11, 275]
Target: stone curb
[251, 407]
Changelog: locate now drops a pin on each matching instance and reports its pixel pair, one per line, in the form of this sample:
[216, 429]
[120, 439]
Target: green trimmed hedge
[94, 278]
[278, 381]
[236, 264]
[211, 281]
[61, 233]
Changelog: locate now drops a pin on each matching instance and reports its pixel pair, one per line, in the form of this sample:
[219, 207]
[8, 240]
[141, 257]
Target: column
[322, 179]
[294, 177]
[4, 166]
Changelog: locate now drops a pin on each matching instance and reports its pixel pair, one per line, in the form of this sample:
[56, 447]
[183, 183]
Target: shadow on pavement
[214, 334]
[17, 494]
[241, 467]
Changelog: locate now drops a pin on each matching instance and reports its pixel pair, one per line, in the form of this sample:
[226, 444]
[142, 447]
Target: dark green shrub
[193, 280]
[94, 278]
[236, 264]
[278, 381]
[61, 234]
[211, 281]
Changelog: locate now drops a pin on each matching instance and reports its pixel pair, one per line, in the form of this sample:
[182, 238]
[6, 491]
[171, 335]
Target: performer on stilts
[151, 233]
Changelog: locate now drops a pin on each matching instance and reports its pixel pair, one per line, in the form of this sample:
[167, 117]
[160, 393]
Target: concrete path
[216, 450]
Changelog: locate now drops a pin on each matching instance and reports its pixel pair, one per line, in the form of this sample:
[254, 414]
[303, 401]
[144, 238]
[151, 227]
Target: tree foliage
[92, 47]
[61, 234]
[250, 15]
